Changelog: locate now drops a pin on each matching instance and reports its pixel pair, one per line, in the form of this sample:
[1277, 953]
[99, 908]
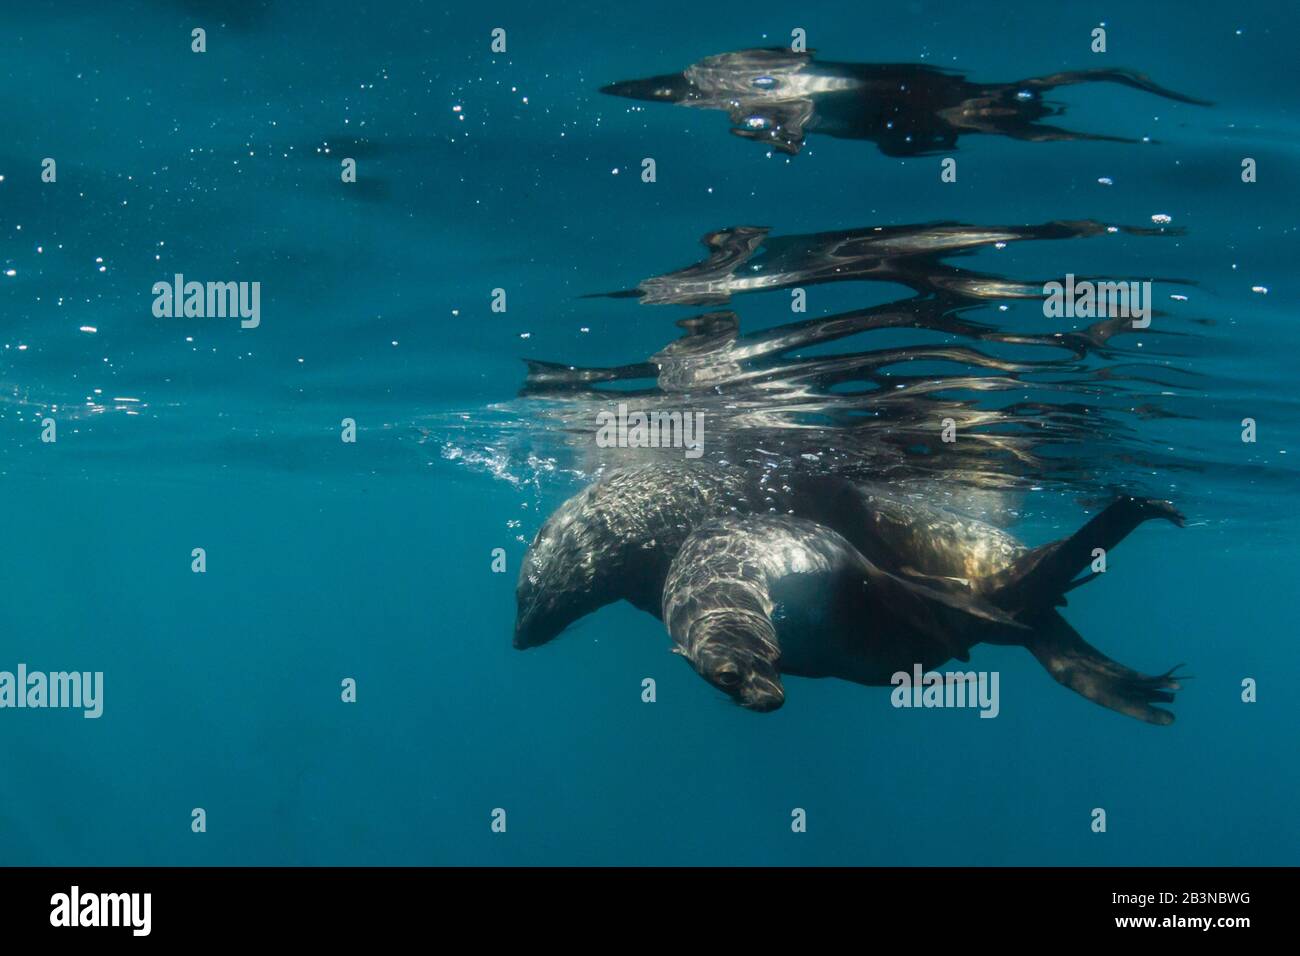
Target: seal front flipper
[940, 608]
[1088, 672]
[781, 125]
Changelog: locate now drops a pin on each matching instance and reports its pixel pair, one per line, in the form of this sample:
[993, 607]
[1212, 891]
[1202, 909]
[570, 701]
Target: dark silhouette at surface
[776, 97]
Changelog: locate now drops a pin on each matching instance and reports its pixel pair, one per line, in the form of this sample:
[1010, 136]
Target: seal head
[736, 651]
[558, 582]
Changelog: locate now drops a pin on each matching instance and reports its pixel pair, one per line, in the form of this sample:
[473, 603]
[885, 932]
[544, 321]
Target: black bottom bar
[333, 905]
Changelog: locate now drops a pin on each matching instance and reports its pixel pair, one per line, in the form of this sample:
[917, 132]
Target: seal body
[750, 598]
[904, 532]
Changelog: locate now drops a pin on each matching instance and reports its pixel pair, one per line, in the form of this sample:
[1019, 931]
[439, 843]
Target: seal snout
[762, 701]
[617, 89]
[534, 630]
[761, 692]
[531, 629]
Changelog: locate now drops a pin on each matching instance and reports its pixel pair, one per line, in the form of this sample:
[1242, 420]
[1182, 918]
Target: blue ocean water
[372, 560]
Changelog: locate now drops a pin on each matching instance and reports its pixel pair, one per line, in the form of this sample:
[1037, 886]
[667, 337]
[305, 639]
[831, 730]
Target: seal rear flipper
[1039, 579]
[1088, 672]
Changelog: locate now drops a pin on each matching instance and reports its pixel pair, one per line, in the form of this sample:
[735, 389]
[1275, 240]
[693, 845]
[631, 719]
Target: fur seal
[750, 598]
[614, 541]
[775, 96]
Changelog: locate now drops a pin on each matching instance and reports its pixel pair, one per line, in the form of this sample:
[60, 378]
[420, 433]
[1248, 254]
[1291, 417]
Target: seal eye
[727, 676]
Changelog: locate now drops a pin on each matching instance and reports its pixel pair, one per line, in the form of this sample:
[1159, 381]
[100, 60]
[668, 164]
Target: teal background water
[372, 560]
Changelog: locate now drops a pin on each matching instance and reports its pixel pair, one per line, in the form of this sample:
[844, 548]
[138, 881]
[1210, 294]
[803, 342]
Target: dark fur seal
[615, 539]
[748, 599]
